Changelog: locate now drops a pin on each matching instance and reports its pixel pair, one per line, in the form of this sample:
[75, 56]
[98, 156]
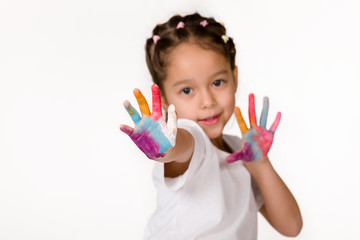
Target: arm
[280, 208]
[178, 158]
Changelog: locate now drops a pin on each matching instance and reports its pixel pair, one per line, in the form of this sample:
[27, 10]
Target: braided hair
[208, 34]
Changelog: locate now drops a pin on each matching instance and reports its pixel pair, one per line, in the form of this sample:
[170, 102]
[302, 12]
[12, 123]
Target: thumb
[126, 129]
[245, 154]
[172, 124]
[233, 157]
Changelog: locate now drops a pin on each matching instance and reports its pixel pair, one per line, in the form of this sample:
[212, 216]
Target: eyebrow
[220, 72]
[224, 71]
[181, 82]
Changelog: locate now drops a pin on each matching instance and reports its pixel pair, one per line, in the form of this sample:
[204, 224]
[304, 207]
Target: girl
[210, 185]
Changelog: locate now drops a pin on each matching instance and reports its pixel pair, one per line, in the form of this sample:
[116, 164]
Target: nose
[207, 99]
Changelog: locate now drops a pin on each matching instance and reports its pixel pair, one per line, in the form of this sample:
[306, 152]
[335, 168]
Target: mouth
[209, 121]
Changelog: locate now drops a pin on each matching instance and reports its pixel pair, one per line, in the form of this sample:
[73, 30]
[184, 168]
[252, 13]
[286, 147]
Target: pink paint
[156, 99]
[147, 144]
[151, 134]
[276, 122]
[246, 154]
[257, 140]
[263, 140]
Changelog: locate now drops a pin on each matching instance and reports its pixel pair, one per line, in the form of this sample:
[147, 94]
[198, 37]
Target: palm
[151, 134]
[257, 140]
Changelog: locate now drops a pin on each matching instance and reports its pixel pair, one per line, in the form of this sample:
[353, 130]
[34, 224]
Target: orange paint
[144, 107]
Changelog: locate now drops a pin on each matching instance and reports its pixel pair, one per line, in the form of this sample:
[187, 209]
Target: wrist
[257, 168]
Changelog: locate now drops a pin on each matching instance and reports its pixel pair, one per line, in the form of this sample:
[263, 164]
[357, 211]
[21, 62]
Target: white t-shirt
[211, 200]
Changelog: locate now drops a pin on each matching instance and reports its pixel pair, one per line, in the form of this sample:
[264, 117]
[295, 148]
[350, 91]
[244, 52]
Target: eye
[218, 83]
[186, 91]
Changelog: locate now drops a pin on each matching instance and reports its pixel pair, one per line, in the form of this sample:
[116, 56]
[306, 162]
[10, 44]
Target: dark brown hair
[209, 37]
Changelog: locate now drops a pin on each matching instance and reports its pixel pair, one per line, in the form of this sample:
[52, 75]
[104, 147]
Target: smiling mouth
[210, 120]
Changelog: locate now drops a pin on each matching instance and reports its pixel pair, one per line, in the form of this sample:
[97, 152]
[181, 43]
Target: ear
[235, 76]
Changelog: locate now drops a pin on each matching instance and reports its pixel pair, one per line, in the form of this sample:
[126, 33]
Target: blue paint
[264, 113]
[251, 137]
[154, 129]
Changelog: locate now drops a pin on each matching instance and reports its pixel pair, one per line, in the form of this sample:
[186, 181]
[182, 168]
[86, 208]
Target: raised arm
[157, 139]
[280, 207]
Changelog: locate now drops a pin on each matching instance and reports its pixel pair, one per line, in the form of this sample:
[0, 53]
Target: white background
[67, 172]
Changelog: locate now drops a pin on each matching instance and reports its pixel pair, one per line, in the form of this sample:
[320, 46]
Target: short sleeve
[200, 141]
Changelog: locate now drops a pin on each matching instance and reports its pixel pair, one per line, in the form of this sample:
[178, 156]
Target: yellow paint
[129, 109]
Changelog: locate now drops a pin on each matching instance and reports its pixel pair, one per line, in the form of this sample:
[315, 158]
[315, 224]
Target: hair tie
[180, 25]
[156, 38]
[204, 23]
[225, 38]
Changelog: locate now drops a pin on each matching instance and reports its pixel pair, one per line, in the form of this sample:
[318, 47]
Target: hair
[208, 37]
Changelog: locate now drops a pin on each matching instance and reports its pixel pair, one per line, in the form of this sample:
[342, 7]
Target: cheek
[182, 107]
[185, 111]
[229, 102]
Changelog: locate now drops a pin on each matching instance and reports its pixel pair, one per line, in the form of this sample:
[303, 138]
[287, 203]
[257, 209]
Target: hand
[257, 141]
[151, 133]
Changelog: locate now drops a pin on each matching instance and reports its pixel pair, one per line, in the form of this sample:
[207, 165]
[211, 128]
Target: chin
[214, 131]
[213, 134]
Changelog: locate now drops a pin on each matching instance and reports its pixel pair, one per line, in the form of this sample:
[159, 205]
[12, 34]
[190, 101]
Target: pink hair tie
[204, 23]
[156, 38]
[180, 25]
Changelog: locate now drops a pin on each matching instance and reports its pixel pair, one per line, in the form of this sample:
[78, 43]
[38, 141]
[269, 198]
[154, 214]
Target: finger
[264, 113]
[252, 113]
[126, 129]
[132, 112]
[172, 119]
[276, 123]
[156, 101]
[241, 122]
[172, 124]
[246, 154]
[144, 106]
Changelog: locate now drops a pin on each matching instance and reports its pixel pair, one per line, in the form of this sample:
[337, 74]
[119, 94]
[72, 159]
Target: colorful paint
[246, 154]
[147, 135]
[257, 140]
[151, 133]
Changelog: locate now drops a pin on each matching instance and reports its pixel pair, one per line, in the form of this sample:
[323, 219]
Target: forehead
[194, 60]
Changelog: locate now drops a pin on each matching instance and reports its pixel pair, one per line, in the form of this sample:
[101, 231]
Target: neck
[221, 144]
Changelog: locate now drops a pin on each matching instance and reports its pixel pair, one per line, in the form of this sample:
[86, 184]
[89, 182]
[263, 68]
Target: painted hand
[257, 140]
[151, 133]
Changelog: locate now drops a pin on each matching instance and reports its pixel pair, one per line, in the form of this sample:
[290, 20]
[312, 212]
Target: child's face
[202, 86]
